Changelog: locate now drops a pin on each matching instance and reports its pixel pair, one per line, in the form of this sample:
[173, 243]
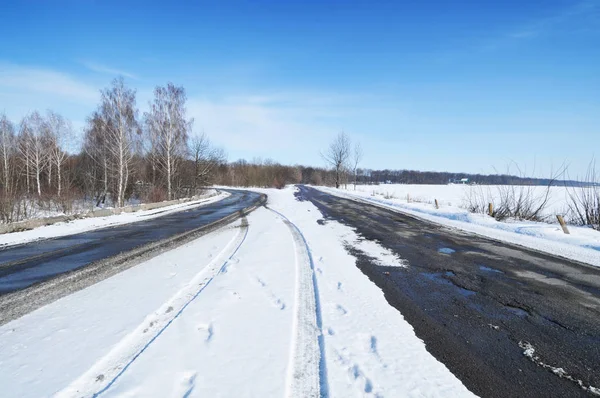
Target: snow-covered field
[268, 308]
[456, 195]
[583, 244]
[88, 224]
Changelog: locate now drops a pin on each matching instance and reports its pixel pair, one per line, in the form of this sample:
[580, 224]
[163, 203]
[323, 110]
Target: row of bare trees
[153, 157]
[33, 158]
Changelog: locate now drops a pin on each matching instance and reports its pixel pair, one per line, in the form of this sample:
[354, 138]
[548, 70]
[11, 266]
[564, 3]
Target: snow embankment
[583, 244]
[88, 224]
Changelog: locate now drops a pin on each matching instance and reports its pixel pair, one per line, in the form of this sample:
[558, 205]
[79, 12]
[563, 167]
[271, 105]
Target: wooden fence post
[563, 224]
[437, 205]
[407, 198]
[491, 210]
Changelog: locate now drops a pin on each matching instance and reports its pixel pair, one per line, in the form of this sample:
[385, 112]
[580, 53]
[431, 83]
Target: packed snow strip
[235, 339]
[583, 244]
[44, 351]
[304, 374]
[370, 350]
[100, 377]
[88, 224]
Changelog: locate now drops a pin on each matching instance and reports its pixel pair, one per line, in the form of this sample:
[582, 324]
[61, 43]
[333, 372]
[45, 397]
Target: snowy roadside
[88, 224]
[583, 244]
[230, 314]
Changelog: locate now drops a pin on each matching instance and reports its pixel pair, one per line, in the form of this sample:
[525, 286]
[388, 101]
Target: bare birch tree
[356, 159]
[33, 148]
[118, 116]
[59, 135]
[337, 156]
[95, 147]
[169, 127]
[7, 150]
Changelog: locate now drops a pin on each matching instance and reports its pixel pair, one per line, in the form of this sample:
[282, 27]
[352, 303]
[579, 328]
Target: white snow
[223, 316]
[88, 224]
[583, 244]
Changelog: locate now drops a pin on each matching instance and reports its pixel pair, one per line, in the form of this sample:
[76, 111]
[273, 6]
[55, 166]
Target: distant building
[458, 181]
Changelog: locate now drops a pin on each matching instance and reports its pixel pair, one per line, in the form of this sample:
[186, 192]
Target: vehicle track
[307, 375]
[104, 373]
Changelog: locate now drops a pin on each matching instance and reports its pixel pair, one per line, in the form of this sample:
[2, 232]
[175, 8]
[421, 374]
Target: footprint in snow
[207, 331]
[186, 385]
[341, 310]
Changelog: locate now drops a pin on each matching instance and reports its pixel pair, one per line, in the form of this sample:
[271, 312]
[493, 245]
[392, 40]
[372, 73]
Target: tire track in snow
[104, 373]
[307, 374]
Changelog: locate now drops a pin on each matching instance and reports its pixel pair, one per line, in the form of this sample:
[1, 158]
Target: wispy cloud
[581, 16]
[39, 80]
[569, 18]
[286, 126]
[107, 70]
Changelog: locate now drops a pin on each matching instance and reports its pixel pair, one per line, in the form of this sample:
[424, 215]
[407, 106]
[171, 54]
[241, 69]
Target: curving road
[507, 321]
[24, 265]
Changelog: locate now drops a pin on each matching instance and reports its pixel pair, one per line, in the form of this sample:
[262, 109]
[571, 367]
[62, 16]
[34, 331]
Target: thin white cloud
[107, 70]
[582, 12]
[20, 79]
[244, 125]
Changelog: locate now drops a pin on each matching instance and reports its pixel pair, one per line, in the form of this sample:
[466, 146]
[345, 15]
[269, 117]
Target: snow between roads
[248, 326]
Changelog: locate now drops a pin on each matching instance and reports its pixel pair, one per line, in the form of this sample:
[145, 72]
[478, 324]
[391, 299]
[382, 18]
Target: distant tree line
[369, 176]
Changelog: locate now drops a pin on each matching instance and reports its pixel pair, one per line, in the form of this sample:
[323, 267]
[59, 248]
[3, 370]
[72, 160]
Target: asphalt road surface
[481, 305]
[24, 265]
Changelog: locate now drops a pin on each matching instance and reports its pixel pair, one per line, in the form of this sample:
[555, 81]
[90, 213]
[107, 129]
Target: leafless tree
[118, 117]
[59, 135]
[356, 159]
[33, 148]
[7, 149]
[169, 127]
[205, 157]
[337, 156]
[95, 148]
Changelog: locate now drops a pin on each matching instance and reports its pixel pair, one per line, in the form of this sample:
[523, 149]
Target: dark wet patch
[441, 278]
[490, 269]
[517, 311]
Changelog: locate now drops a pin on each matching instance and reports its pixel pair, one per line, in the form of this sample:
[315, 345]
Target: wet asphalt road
[24, 265]
[477, 303]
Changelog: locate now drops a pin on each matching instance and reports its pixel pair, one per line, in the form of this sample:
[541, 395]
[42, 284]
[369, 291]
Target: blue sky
[429, 85]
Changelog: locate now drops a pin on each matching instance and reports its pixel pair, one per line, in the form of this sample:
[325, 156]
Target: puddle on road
[517, 311]
[438, 277]
[446, 250]
[489, 269]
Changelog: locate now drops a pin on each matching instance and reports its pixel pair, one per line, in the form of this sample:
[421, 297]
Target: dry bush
[15, 207]
[584, 200]
[520, 202]
[156, 194]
